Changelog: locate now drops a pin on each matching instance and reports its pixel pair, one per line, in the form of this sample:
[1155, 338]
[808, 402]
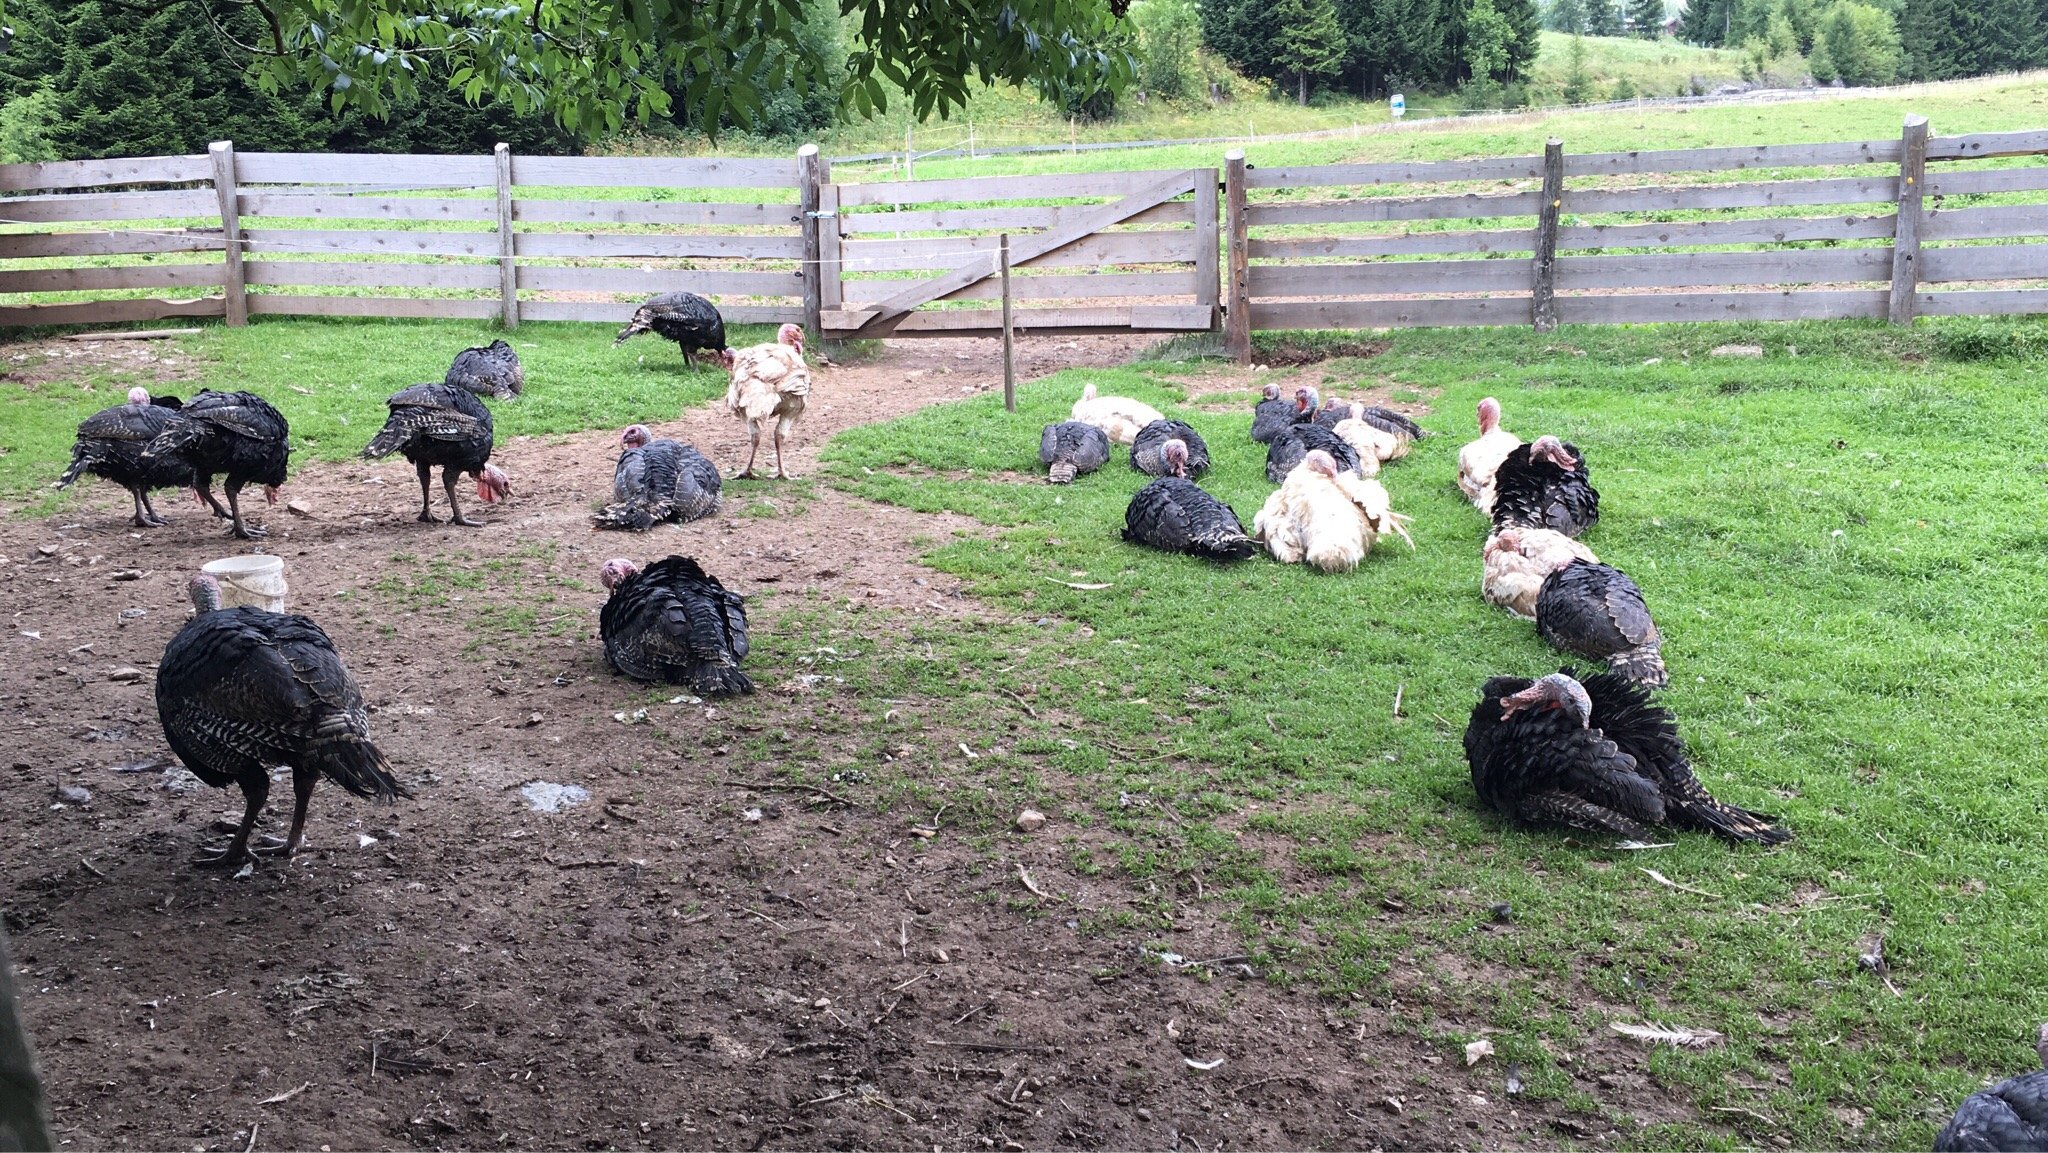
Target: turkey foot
[241, 531]
[455, 515]
[427, 517]
[225, 856]
[274, 847]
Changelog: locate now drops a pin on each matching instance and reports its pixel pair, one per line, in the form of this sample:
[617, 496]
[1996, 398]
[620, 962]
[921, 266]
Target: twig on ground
[1746, 1112]
[145, 334]
[769, 919]
[909, 983]
[1024, 875]
[993, 1047]
[1398, 690]
[1015, 696]
[1669, 883]
[253, 1127]
[1083, 587]
[962, 1018]
[87, 865]
[591, 864]
[903, 937]
[287, 1095]
[827, 1097]
[793, 787]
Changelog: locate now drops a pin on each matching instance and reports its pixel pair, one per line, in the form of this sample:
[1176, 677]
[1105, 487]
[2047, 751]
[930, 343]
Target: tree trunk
[1301, 87]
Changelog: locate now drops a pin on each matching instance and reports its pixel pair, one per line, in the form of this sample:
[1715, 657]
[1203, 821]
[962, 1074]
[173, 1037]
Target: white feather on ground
[1119, 417]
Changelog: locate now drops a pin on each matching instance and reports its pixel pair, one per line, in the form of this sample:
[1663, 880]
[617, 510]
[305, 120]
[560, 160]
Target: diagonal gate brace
[890, 313]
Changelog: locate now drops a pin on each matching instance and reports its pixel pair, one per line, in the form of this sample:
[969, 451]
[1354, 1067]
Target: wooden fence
[1894, 228]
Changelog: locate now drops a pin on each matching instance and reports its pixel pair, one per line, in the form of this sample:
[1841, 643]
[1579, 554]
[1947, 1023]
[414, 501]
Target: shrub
[1169, 39]
[25, 124]
[1856, 44]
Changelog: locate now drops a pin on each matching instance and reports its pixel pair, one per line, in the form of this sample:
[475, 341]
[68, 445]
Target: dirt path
[679, 961]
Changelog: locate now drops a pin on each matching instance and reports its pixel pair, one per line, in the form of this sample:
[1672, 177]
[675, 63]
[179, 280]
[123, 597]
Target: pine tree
[1603, 18]
[1705, 22]
[1524, 34]
[1645, 18]
[1578, 83]
[1567, 16]
[1311, 44]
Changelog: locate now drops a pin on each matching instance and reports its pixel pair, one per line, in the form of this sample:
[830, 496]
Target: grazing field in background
[1839, 539]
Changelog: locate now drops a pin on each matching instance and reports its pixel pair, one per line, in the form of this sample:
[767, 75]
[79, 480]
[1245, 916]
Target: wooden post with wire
[508, 264]
[1009, 332]
[810, 190]
[1544, 297]
[234, 282]
[1906, 239]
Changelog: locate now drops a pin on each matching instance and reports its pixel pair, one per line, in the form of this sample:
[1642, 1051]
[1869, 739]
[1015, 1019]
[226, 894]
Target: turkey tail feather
[1701, 811]
[394, 437]
[358, 766]
[1644, 666]
[722, 680]
[70, 477]
[630, 515]
[1226, 546]
[1062, 472]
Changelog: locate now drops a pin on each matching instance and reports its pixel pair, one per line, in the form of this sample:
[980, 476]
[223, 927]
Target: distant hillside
[1664, 67]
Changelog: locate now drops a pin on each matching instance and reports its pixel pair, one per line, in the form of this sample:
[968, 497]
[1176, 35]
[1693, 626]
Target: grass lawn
[1840, 541]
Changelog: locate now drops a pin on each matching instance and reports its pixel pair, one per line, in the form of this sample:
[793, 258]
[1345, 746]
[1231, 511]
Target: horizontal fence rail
[1891, 228]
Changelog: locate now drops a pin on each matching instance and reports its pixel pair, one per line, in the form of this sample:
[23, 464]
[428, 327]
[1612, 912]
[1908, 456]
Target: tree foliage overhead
[594, 65]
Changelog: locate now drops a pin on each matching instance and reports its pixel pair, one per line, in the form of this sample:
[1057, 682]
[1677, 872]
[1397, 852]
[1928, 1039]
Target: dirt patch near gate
[688, 957]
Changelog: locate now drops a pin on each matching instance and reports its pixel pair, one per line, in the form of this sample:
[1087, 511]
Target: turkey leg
[302, 791]
[455, 509]
[426, 495]
[781, 472]
[753, 446]
[149, 508]
[203, 490]
[143, 519]
[241, 531]
[255, 790]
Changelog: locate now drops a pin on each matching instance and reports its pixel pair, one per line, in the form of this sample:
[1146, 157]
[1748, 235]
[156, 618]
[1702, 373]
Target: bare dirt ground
[651, 968]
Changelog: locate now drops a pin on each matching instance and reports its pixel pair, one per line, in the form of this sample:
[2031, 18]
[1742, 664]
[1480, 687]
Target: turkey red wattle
[270, 494]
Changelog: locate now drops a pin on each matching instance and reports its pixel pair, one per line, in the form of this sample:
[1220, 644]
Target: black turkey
[1071, 448]
[2010, 1116]
[1595, 611]
[1299, 440]
[445, 426]
[1545, 484]
[1593, 753]
[492, 370]
[111, 442]
[658, 480]
[1271, 416]
[1176, 515]
[684, 317]
[242, 689]
[235, 433]
[1170, 448]
[673, 622]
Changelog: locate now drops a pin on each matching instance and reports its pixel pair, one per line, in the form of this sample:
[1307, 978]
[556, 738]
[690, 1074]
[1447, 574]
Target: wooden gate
[1151, 254]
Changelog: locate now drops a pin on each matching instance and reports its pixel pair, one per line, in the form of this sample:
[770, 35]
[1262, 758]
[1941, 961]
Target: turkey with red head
[110, 444]
[1545, 484]
[673, 622]
[659, 480]
[1170, 448]
[233, 433]
[445, 426]
[1271, 416]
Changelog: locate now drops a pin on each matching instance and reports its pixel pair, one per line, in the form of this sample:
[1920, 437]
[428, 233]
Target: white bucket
[255, 581]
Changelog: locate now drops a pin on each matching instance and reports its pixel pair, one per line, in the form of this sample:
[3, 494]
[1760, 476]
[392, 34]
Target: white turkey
[242, 689]
[1119, 417]
[770, 382]
[1326, 516]
[659, 480]
[1518, 560]
[1372, 429]
[673, 622]
[1479, 459]
[1070, 448]
[110, 444]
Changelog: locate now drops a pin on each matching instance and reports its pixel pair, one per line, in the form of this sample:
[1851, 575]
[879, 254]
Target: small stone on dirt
[751, 816]
[940, 956]
[1748, 350]
[1030, 820]
[1478, 1051]
[298, 508]
[125, 674]
[126, 574]
[47, 549]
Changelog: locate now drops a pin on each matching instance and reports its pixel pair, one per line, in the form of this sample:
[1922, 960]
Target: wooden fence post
[1009, 333]
[1237, 317]
[235, 292]
[1545, 298]
[508, 265]
[1208, 245]
[831, 245]
[1906, 240]
[809, 192]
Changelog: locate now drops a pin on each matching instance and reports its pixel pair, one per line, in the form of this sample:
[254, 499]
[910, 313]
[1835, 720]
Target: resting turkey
[1169, 448]
[1070, 448]
[1593, 753]
[1479, 459]
[1545, 484]
[1288, 449]
[110, 444]
[1271, 416]
[673, 622]
[242, 689]
[1327, 516]
[2010, 1116]
[1119, 417]
[1178, 516]
[658, 480]
[1518, 560]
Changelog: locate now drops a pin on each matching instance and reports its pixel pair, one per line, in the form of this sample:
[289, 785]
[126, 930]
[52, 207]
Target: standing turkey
[1593, 753]
[1594, 611]
[236, 433]
[1288, 449]
[440, 424]
[111, 442]
[1518, 560]
[1070, 448]
[658, 480]
[769, 382]
[1177, 516]
[2010, 1116]
[1479, 459]
[1545, 484]
[1170, 448]
[1271, 416]
[1327, 516]
[673, 622]
[242, 689]
[492, 370]
[684, 317]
